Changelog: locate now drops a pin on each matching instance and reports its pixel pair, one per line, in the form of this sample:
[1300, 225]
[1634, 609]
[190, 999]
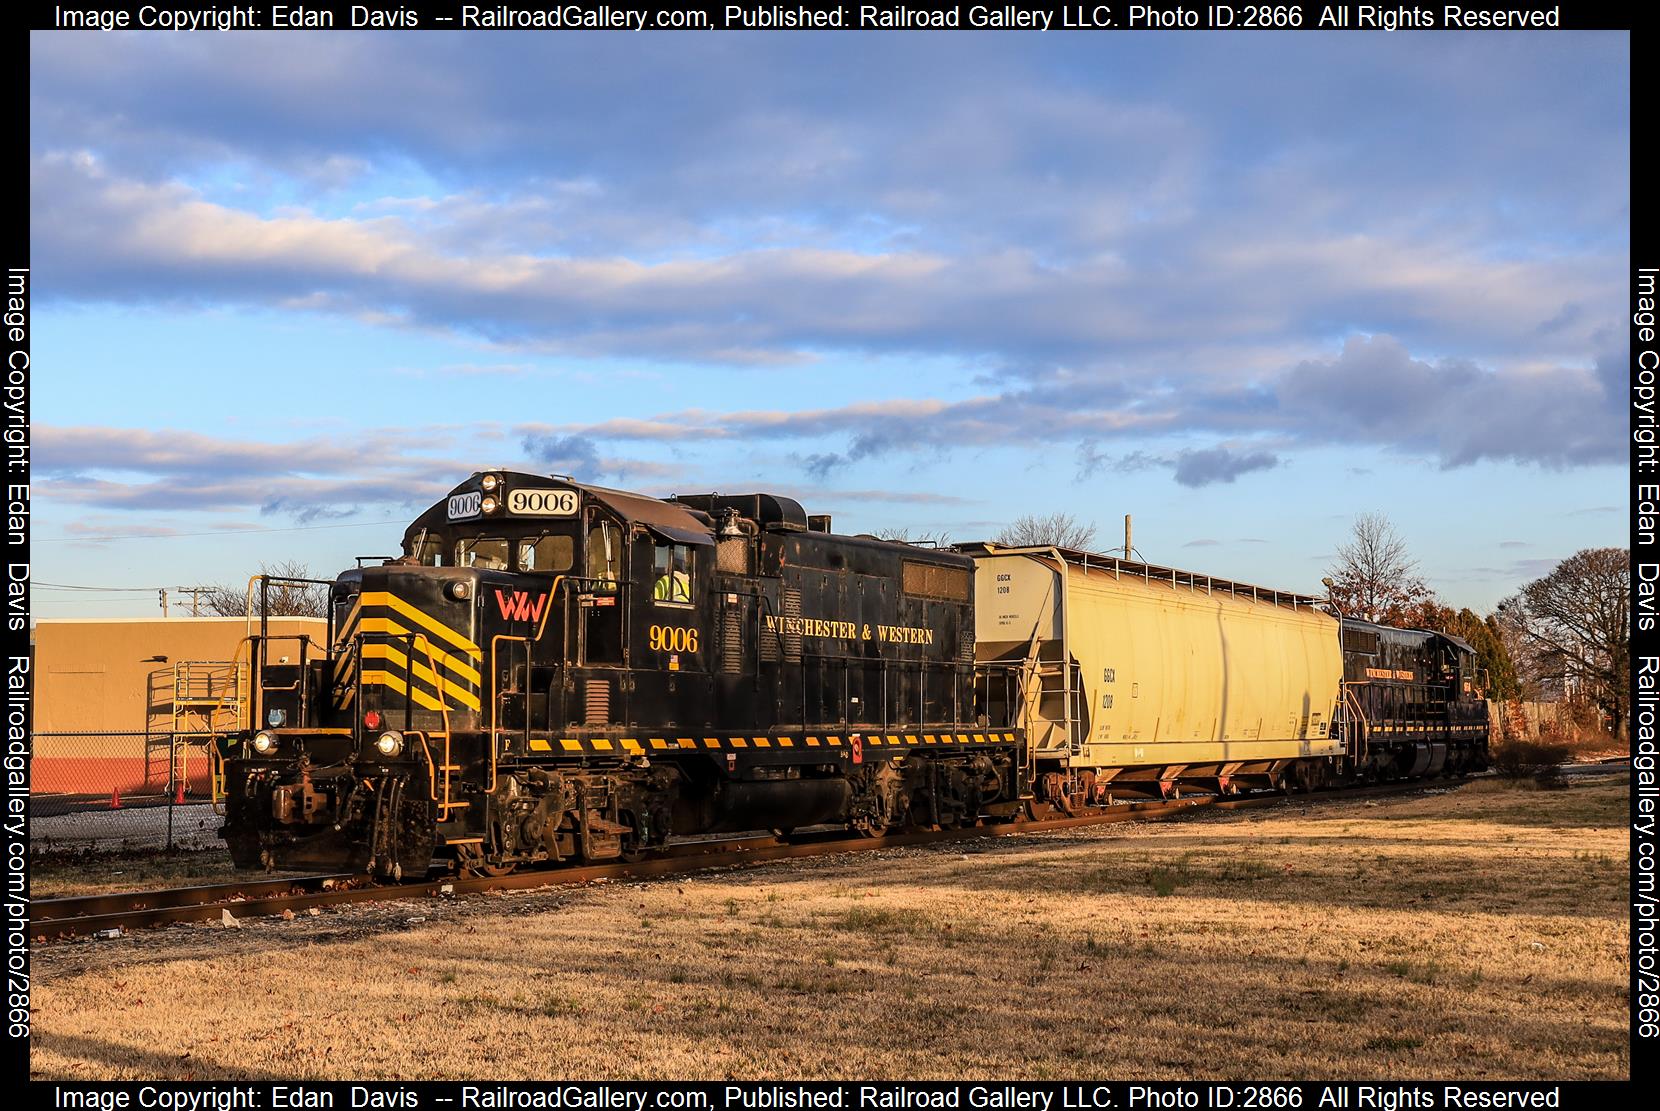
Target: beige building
[110, 694]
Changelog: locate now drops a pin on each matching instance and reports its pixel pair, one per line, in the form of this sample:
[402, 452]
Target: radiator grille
[1362, 641]
[930, 580]
[792, 624]
[596, 702]
[732, 556]
[732, 640]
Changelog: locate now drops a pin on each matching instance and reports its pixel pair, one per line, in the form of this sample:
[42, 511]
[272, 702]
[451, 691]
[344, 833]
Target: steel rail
[79, 916]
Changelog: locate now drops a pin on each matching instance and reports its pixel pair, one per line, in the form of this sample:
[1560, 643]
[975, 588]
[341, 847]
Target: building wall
[91, 675]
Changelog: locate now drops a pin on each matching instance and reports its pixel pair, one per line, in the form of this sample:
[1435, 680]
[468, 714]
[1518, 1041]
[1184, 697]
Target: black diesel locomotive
[1416, 704]
[557, 671]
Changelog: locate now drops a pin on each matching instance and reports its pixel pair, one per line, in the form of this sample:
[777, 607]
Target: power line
[100, 589]
[218, 532]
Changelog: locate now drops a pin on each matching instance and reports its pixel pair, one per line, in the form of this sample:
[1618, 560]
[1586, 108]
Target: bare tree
[1575, 624]
[1374, 578]
[284, 599]
[929, 538]
[1060, 529]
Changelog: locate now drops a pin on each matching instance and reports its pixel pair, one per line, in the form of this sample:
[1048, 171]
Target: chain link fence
[121, 793]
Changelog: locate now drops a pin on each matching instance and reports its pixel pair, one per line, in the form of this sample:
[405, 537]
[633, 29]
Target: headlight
[489, 504]
[490, 482]
[458, 589]
[265, 743]
[389, 743]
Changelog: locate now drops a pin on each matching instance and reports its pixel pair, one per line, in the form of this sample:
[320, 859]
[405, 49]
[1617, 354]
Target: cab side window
[428, 551]
[605, 548]
[672, 574]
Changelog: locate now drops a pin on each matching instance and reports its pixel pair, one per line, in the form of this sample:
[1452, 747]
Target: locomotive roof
[670, 519]
[1457, 642]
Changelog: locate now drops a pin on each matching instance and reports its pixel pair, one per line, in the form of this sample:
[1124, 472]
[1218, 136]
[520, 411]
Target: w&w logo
[520, 606]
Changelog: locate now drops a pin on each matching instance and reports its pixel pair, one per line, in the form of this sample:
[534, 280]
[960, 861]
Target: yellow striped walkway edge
[731, 743]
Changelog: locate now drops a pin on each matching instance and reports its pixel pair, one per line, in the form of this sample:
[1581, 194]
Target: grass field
[1478, 933]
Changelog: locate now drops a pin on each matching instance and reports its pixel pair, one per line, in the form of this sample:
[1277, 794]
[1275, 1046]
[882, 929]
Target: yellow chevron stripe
[421, 671]
[539, 745]
[420, 617]
[389, 627]
[387, 679]
[344, 632]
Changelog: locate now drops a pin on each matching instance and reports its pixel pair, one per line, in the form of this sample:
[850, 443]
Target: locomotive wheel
[405, 833]
[632, 850]
[869, 826]
[245, 851]
[473, 863]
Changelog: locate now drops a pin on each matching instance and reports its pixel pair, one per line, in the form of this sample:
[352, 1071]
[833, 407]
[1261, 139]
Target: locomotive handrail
[1351, 702]
[444, 804]
[495, 700]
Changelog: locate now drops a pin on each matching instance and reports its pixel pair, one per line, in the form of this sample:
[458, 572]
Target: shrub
[1517, 758]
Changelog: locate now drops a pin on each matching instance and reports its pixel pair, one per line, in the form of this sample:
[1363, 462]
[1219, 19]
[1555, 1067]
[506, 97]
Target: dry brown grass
[1479, 933]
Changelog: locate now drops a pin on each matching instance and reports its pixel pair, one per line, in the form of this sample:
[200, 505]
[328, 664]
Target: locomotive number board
[542, 503]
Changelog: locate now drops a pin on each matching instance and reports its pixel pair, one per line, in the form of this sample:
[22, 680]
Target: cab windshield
[546, 553]
[487, 552]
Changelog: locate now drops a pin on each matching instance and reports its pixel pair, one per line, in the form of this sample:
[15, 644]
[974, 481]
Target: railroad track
[116, 913]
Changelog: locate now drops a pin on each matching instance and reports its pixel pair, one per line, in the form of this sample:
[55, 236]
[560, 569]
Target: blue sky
[291, 288]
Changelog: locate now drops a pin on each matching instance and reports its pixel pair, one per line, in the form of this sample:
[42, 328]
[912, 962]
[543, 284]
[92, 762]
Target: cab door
[673, 643]
[602, 602]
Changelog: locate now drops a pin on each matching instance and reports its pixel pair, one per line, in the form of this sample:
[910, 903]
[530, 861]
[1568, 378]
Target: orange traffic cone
[115, 799]
[178, 799]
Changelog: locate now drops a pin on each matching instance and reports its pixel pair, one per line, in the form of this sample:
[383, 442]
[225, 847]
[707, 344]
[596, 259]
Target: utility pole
[163, 593]
[195, 593]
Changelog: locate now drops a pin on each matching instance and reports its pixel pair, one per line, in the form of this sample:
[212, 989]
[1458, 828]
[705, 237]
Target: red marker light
[372, 719]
